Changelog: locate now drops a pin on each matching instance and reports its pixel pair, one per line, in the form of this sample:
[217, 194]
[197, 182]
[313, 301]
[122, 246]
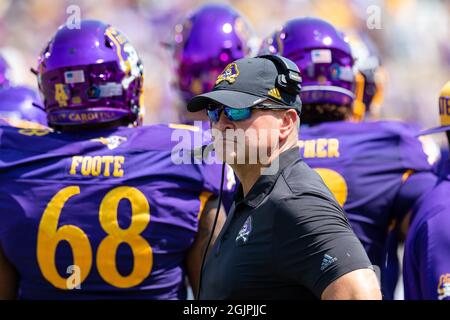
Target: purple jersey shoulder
[366, 166]
[426, 264]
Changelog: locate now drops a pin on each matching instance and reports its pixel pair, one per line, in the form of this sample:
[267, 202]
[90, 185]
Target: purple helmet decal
[4, 70]
[19, 106]
[90, 75]
[205, 43]
[322, 55]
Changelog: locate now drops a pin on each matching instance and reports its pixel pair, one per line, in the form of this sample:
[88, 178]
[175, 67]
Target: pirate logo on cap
[230, 73]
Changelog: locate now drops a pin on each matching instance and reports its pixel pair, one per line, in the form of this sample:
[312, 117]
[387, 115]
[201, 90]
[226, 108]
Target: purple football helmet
[89, 76]
[322, 55]
[4, 70]
[19, 108]
[205, 43]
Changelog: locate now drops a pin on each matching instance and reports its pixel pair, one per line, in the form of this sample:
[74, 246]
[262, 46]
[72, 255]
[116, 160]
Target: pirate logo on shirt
[245, 231]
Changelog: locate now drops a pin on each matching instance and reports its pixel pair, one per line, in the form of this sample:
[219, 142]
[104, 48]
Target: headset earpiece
[290, 80]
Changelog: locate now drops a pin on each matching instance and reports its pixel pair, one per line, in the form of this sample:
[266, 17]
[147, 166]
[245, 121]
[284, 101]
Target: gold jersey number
[336, 183]
[49, 236]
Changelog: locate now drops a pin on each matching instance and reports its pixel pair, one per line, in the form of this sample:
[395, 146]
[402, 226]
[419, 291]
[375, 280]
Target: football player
[376, 170]
[369, 83]
[426, 265]
[20, 106]
[370, 79]
[100, 208]
[208, 39]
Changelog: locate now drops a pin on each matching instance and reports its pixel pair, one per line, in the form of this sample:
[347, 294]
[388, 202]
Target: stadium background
[413, 41]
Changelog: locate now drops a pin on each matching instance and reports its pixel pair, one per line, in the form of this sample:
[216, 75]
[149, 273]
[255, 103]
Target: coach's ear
[359, 284]
[289, 123]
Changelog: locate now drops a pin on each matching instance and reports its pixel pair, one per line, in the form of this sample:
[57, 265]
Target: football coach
[285, 237]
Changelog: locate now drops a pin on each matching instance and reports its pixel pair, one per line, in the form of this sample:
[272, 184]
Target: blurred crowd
[412, 39]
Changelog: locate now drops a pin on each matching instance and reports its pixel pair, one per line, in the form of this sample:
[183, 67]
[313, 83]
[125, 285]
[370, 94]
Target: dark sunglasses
[234, 114]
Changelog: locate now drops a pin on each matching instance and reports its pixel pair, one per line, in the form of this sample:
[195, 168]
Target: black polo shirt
[287, 239]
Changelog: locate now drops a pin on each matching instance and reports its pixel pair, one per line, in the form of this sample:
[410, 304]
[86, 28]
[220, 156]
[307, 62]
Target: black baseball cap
[245, 83]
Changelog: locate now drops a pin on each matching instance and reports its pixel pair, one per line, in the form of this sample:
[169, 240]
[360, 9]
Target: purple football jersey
[102, 214]
[426, 264]
[368, 167]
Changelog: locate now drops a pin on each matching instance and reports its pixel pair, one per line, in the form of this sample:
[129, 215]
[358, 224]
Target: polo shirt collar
[265, 183]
